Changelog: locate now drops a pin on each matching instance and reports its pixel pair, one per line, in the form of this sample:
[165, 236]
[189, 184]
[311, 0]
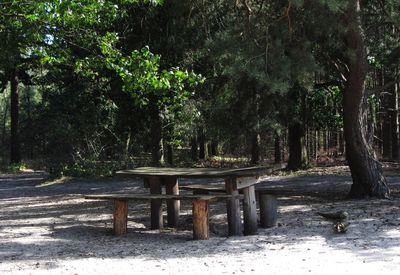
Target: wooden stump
[268, 210]
[200, 220]
[156, 205]
[249, 211]
[173, 206]
[120, 217]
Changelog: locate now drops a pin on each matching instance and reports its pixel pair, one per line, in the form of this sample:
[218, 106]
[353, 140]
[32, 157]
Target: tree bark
[214, 148]
[15, 156]
[394, 117]
[4, 122]
[366, 171]
[193, 149]
[297, 148]
[157, 156]
[170, 154]
[277, 149]
[203, 154]
[255, 149]
[386, 125]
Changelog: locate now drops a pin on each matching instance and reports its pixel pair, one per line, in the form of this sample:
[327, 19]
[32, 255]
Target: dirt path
[52, 230]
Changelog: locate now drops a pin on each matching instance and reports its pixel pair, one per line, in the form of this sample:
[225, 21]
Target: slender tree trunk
[255, 149]
[203, 154]
[366, 171]
[170, 154]
[386, 131]
[214, 148]
[157, 156]
[4, 122]
[194, 152]
[127, 144]
[277, 148]
[394, 118]
[15, 156]
[297, 148]
[29, 124]
[169, 148]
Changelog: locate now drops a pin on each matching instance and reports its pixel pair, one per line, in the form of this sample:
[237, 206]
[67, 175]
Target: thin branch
[381, 88]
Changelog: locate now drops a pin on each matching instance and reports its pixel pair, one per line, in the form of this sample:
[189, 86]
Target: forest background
[91, 87]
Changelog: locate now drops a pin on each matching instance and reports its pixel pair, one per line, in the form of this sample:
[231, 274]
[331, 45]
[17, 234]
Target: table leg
[249, 210]
[173, 206]
[200, 211]
[120, 217]
[156, 205]
[233, 208]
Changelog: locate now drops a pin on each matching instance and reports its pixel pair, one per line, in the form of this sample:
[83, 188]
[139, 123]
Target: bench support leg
[156, 205]
[200, 220]
[173, 206]
[233, 208]
[250, 211]
[120, 217]
[268, 210]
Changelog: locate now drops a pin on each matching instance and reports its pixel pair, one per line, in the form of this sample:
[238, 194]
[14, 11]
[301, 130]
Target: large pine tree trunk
[366, 171]
[15, 156]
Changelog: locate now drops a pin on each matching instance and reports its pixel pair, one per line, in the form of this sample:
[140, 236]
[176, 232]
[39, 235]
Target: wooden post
[173, 206]
[233, 208]
[250, 211]
[200, 220]
[156, 205]
[268, 210]
[120, 217]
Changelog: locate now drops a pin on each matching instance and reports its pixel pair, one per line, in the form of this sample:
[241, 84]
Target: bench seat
[267, 199]
[200, 209]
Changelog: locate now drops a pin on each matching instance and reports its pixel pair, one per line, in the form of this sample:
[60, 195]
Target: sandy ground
[53, 230]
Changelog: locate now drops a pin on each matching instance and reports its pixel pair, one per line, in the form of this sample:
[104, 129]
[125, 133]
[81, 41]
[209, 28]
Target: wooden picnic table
[235, 179]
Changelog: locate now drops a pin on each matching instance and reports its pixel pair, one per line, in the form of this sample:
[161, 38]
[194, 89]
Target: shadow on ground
[55, 222]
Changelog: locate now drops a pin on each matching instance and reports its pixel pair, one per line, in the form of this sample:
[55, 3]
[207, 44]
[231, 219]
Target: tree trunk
[394, 118]
[255, 149]
[155, 135]
[386, 123]
[4, 122]
[169, 148]
[366, 171]
[15, 156]
[297, 147]
[170, 154]
[277, 149]
[214, 148]
[203, 154]
[193, 149]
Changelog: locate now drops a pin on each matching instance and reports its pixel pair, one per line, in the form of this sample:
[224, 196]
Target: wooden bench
[267, 199]
[200, 209]
[204, 189]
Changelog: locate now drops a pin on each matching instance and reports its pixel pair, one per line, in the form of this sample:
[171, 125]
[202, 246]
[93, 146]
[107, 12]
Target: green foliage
[91, 168]
[13, 168]
[325, 109]
[91, 79]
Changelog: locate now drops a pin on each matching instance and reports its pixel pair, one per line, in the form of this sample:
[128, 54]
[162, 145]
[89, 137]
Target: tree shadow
[55, 223]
